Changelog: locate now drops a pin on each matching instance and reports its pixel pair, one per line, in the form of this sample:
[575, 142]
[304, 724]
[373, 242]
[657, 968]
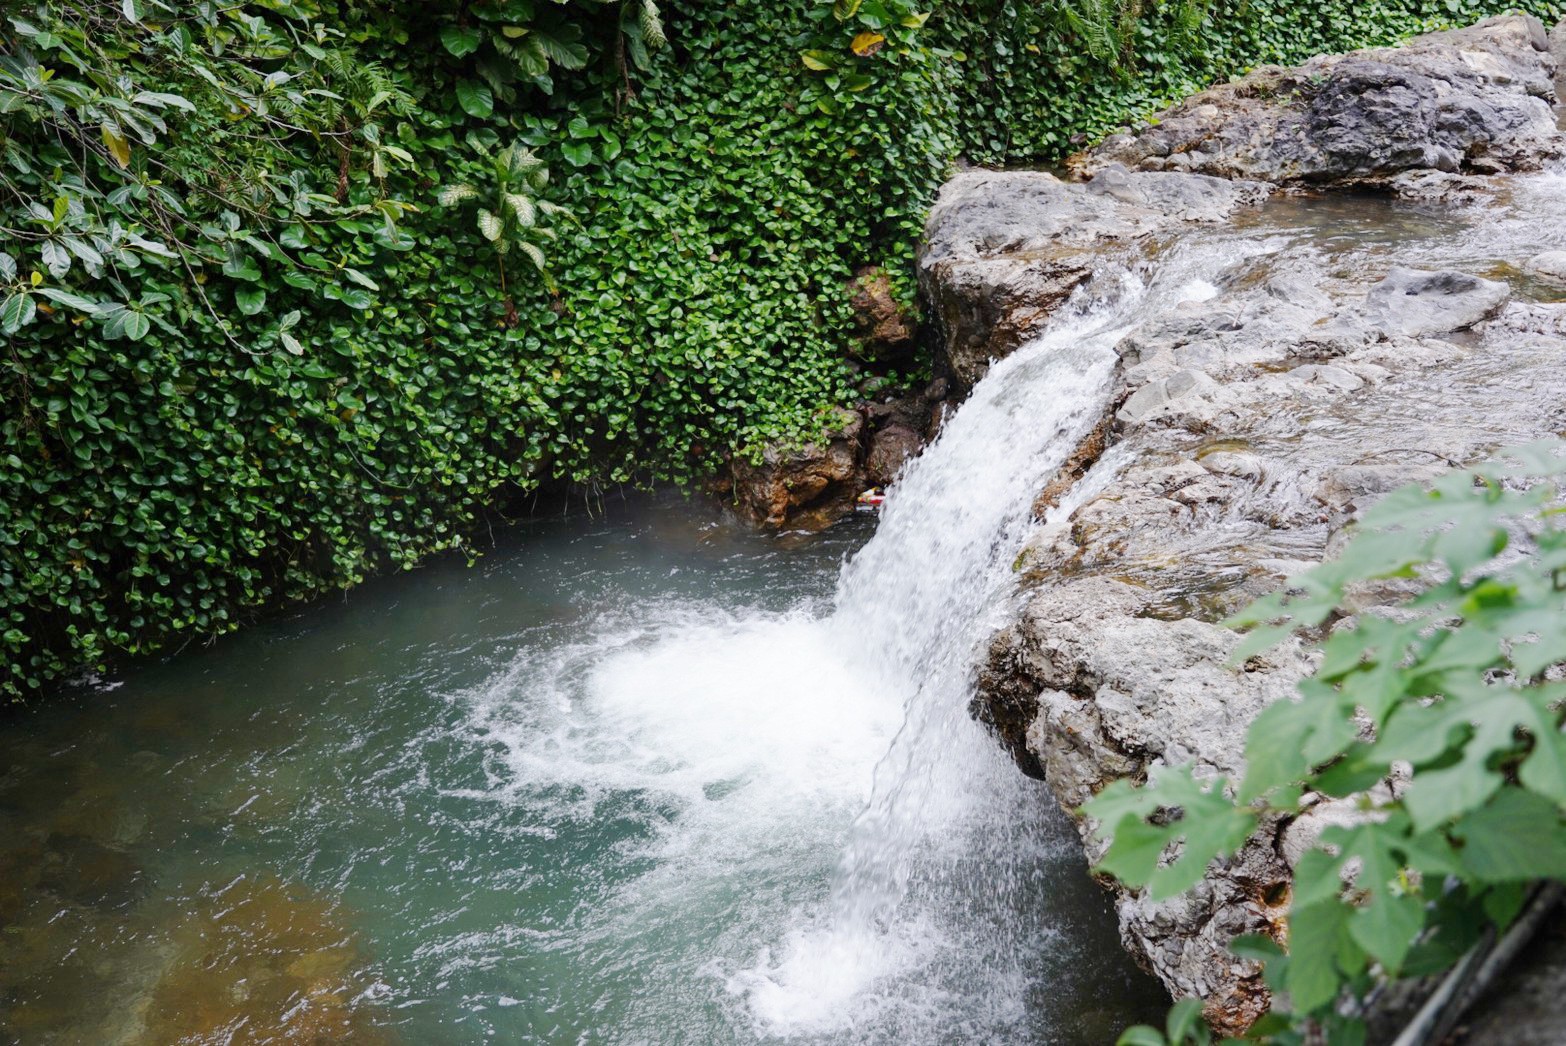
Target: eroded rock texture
[1004, 250]
[1288, 372]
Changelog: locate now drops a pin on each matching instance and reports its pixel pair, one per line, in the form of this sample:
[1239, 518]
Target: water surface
[597, 788]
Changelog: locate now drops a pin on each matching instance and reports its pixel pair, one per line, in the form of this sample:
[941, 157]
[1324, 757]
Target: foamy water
[834, 847]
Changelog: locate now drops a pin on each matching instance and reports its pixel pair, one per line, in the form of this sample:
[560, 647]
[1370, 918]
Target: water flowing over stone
[1324, 351]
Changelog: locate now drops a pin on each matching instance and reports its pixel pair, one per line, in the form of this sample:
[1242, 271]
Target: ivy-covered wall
[250, 356]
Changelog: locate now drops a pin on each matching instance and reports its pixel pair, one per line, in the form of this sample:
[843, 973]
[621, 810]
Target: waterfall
[818, 827]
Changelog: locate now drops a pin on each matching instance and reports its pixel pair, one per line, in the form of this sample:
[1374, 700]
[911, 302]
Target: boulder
[1003, 251]
[1469, 101]
[803, 487]
[890, 449]
[1549, 266]
[1558, 49]
[1251, 430]
[1417, 304]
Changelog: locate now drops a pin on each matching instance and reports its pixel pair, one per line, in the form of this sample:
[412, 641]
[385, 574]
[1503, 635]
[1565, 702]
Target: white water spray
[825, 831]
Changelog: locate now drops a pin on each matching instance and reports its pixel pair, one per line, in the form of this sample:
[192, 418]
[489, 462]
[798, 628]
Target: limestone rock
[1004, 250]
[1259, 424]
[1549, 266]
[1558, 49]
[1416, 304]
[1470, 101]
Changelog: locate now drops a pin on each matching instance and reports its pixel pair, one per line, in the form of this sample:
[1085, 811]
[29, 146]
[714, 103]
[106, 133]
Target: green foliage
[508, 209]
[1458, 686]
[250, 358]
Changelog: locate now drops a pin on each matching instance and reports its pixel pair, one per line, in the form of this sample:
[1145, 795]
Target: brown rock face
[886, 332]
[807, 487]
[890, 449]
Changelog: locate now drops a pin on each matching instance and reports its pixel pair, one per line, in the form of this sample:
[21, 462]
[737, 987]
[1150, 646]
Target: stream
[639, 775]
[602, 787]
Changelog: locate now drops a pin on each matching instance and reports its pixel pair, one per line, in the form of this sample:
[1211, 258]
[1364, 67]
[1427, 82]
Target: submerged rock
[1471, 101]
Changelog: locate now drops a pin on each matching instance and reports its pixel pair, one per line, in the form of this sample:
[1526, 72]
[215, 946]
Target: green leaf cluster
[1440, 714]
[248, 357]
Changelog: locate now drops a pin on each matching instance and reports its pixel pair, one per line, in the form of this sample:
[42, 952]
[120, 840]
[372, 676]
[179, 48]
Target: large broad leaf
[578, 154]
[1209, 826]
[475, 98]
[490, 225]
[136, 326]
[461, 40]
[1517, 837]
[17, 312]
[1315, 933]
[250, 300]
[70, 300]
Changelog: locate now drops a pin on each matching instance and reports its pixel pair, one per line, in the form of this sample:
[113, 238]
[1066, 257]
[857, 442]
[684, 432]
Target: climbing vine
[250, 355]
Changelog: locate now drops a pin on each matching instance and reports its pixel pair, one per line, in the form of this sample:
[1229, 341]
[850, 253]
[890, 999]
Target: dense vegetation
[294, 290]
[1456, 685]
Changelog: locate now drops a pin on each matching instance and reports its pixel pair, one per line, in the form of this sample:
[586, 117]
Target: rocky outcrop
[1558, 49]
[809, 486]
[1004, 250]
[884, 330]
[1256, 426]
[1258, 411]
[1472, 101]
[812, 486]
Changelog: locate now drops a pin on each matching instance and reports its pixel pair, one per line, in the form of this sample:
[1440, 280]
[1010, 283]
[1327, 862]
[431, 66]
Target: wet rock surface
[1244, 465]
[812, 486]
[1558, 49]
[1306, 358]
[1471, 101]
[809, 486]
[885, 330]
[1004, 250]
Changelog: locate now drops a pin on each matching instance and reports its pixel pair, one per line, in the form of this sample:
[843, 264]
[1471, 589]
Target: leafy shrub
[1457, 686]
[251, 358]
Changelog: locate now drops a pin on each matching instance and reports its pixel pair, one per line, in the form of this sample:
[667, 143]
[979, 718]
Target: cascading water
[822, 828]
[758, 736]
[640, 780]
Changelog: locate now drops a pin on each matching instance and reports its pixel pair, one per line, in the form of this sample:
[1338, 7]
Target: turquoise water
[592, 789]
